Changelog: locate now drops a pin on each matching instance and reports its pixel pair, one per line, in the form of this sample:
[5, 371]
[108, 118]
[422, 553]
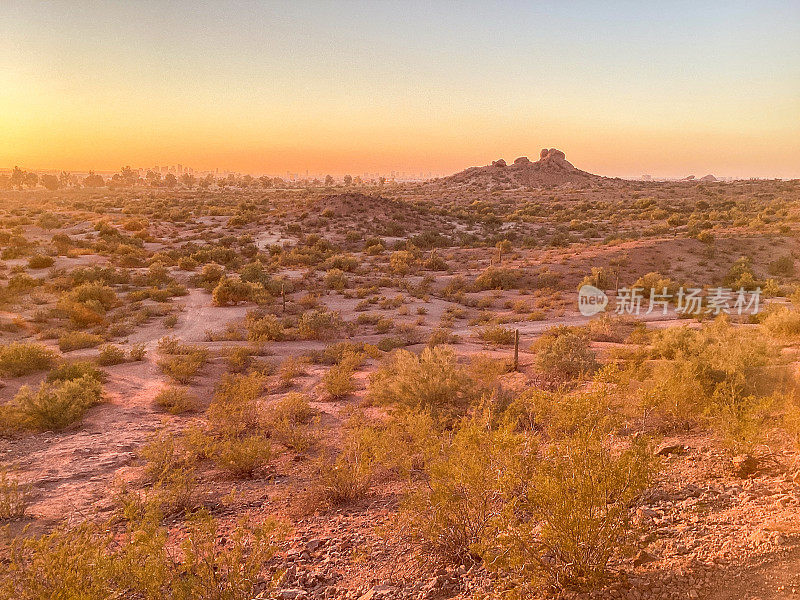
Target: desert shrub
[263, 328]
[53, 406]
[338, 380]
[715, 368]
[137, 352]
[783, 323]
[497, 335]
[111, 355]
[175, 400]
[40, 261]
[291, 368]
[656, 282]
[234, 411]
[431, 381]
[87, 561]
[179, 361]
[441, 336]
[23, 358]
[783, 266]
[288, 421]
[565, 353]
[402, 262]
[571, 516]
[13, 497]
[335, 279]
[76, 370]
[319, 325]
[454, 512]
[348, 476]
[555, 512]
[497, 278]
[76, 340]
[601, 277]
[242, 455]
[232, 291]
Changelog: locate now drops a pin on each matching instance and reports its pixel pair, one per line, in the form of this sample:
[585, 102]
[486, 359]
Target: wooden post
[516, 349]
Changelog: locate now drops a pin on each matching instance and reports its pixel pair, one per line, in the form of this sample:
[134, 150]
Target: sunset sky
[623, 87]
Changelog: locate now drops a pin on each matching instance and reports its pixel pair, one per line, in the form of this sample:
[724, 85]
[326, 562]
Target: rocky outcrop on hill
[552, 169]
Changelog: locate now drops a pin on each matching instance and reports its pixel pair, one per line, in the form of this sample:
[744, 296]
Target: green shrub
[23, 358]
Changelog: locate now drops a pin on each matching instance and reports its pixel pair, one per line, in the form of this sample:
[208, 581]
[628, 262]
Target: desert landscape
[314, 392]
[356, 300]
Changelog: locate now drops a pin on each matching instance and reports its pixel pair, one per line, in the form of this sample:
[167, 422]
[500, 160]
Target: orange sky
[352, 88]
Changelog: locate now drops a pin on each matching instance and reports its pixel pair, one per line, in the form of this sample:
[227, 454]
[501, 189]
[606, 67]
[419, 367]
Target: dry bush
[289, 421]
[13, 497]
[338, 380]
[111, 355]
[89, 562]
[137, 352]
[565, 353]
[23, 358]
[431, 381]
[242, 455]
[181, 361]
[782, 323]
[319, 325]
[75, 370]
[175, 400]
[497, 335]
[546, 504]
[53, 406]
[76, 340]
[263, 328]
[291, 368]
[718, 372]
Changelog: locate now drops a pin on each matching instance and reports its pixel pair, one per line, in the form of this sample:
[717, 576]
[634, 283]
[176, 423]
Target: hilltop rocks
[552, 153]
[552, 169]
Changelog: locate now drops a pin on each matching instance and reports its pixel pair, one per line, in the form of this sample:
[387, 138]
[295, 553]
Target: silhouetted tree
[348, 180]
[170, 181]
[50, 182]
[17, 178]
[93, 180]
[328, 181]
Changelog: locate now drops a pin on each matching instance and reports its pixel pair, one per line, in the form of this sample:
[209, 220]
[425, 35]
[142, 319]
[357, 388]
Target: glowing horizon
[622, 89]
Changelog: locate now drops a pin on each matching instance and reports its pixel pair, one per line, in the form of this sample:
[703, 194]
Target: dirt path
[776, 579]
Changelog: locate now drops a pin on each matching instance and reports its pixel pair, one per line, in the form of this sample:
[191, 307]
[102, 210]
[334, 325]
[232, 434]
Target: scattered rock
[667, 449]
[643, 558]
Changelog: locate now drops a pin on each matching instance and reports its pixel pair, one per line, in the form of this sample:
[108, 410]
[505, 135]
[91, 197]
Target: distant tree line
[126, 177]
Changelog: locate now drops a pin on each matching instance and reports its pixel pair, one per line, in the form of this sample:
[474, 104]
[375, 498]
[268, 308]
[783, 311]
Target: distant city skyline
[624, 88]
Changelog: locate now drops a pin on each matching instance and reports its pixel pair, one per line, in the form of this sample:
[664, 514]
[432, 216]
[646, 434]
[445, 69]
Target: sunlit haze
[624, 88]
